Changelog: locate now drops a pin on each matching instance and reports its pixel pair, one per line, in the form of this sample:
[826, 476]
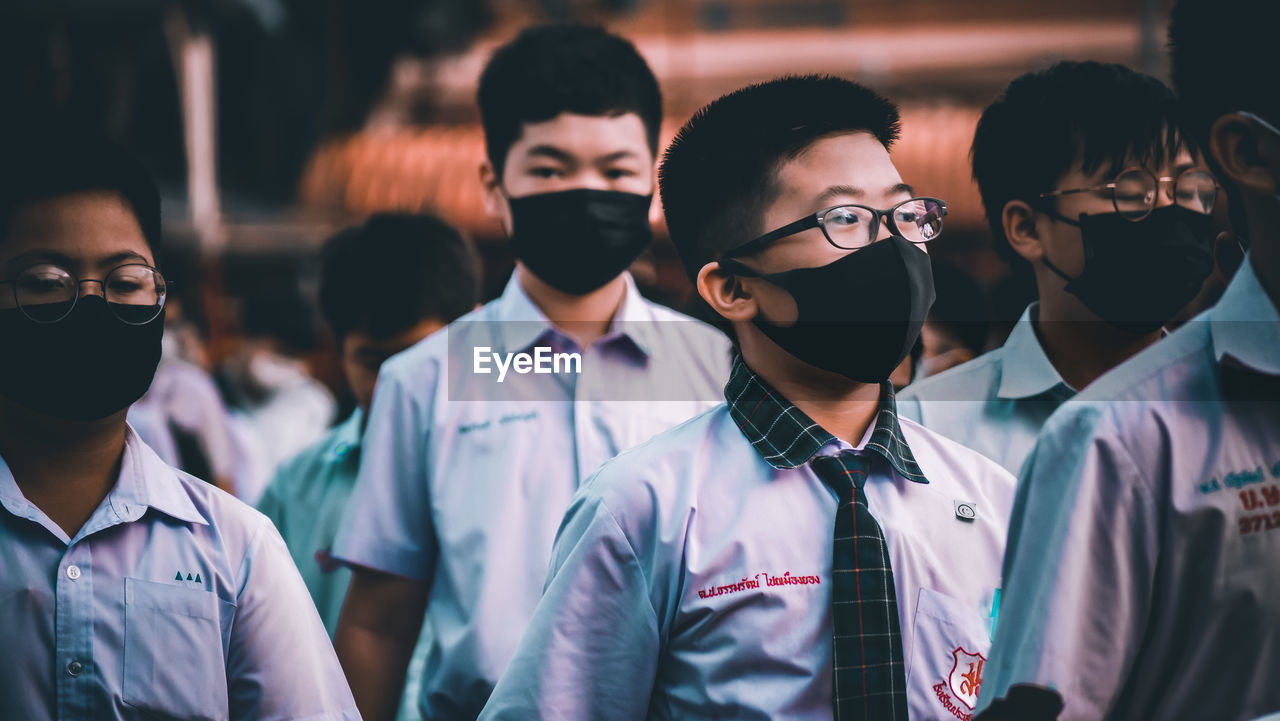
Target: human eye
[546, 172]
[619, 173]
[843, 217]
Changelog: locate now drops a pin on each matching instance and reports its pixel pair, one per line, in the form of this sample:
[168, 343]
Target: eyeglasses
[46, 293]
[850, 227]
[1134, 191]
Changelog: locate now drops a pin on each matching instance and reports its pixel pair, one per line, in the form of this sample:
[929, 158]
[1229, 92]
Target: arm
[1079, 568]
[377, 632]
[279, 661]
[592, 647]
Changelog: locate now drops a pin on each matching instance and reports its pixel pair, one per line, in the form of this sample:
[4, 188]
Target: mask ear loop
[1061, 219]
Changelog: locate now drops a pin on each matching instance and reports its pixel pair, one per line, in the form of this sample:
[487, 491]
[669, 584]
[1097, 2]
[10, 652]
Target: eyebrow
[56, 258]
[836, 191]
[551, 151]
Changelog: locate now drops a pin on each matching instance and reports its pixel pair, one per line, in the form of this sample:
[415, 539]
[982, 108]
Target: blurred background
[271, 123]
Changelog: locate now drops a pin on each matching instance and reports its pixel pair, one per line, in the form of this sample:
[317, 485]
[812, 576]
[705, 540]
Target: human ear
[1241, 154]
[725, 293]
[489, 180]
[1019, 222]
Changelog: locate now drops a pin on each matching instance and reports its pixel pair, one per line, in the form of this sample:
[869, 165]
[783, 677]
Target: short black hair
[60, 159]
[1225, 56]
[721, 169]
[563, 68]
[1092, 113]
[394, 271]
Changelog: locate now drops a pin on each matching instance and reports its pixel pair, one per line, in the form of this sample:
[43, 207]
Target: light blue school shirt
[306, 500]
[996, 403]
[463, 480]
[1143, 568]
[691, 580]
[174, 600]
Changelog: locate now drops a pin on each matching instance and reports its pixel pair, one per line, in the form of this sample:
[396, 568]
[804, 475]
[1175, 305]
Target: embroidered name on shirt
[747, 584]
[189, 577]
[1253, 500]
[508, 418]
[1238, 479]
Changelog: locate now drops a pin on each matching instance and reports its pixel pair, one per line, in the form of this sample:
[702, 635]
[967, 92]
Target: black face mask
[1137, 276]
[858, 316]
[84, 367]
[578, 240]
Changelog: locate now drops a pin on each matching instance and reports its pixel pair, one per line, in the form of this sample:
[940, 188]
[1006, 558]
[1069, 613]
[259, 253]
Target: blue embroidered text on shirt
[1237, 479]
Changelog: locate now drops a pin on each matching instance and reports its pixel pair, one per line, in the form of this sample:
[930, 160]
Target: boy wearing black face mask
[1087, 185]
[128, 587]
[458, 501]
[1141, 575]
[797, 552]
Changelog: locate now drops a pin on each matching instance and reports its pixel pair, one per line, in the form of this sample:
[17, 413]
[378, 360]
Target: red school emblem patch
[966, 676]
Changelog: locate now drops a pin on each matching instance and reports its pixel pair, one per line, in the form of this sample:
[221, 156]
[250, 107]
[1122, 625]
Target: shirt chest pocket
[949, 649]
[174, 662]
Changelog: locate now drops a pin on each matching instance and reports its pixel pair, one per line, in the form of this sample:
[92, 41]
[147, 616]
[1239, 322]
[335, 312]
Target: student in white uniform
[467, 465]
[797, 553]
[128, 589]
[1141, 580]
[1087, 186]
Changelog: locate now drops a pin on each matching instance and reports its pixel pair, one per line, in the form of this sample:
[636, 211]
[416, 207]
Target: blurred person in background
[1141, 573]
[129, 588]
[277, 407]
[185, 399]
[954, 332]
[1087, 182]
[457, 503]
[384, 286]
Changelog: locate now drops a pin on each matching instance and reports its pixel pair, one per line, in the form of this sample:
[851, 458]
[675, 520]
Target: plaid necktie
[869, 675]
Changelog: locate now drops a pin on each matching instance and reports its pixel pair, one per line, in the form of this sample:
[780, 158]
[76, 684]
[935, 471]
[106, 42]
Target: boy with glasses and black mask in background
[1088, 185]
[465, 475]
[1141, 578]
[128, 588]
[797, 552]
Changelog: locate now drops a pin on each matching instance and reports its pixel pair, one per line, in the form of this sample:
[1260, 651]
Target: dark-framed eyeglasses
[851, 227]
[46, 293]
[1135, 190]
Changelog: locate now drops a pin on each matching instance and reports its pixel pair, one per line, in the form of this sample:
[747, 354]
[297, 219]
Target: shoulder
[667, 468]
[302, 468]
[1170, 364]
[961, 382]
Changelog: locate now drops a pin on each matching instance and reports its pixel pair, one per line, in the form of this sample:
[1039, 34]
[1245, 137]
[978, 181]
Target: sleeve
[1079, 568]
[280, 664]
[387, 525]
[591, 649]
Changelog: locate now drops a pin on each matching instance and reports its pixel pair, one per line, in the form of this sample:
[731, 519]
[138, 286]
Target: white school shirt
[1142, 578]
[691, 580]
[463, 480]
[995, 403]
[174, 600]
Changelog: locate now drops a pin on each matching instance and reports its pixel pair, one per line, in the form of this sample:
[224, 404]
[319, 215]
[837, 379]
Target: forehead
[1183, 157]
[585, 137]
[85, 227]
[852, 159]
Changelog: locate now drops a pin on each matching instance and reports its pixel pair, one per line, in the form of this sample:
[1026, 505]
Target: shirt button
[74, 668]
[73, 572]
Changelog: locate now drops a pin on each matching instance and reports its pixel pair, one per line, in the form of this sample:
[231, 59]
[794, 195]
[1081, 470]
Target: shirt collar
[1245, 326]
[786, 438]
[522, 324]
[1025, 370]
[144, 481]
[147, 481]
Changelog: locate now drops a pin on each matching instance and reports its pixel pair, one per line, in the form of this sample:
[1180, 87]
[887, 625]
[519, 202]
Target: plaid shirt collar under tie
[868, 670]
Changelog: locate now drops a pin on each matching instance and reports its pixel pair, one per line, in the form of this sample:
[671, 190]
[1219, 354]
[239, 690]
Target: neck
[64, 468]
[843, 407]
[585, 318]
[1080, 346]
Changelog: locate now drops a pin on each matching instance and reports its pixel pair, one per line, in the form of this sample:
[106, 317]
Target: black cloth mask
[578, 240]
[858, 316]
[1137, 276]
[84, 367]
